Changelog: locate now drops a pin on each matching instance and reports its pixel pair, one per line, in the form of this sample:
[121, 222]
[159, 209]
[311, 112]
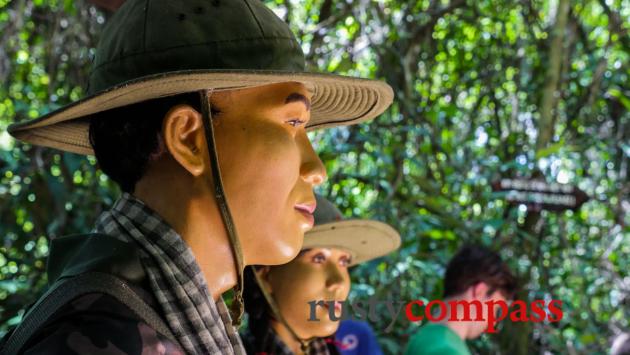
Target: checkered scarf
[200, 325]
[318, 347]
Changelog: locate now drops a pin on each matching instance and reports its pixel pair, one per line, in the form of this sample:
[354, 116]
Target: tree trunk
[549, 94]
[516, 337]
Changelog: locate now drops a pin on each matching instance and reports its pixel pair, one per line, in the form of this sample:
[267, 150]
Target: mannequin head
[316, 274]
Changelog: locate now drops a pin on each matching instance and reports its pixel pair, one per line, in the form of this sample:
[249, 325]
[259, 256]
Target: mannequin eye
[345, 261]
[319, 258]
[295, 122]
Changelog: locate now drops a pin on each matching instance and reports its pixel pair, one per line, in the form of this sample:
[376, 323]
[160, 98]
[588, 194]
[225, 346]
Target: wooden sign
[108, 5]
[538, 195]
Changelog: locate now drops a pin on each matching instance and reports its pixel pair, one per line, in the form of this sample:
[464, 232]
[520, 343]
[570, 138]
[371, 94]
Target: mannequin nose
[312, 169]
[335, 277]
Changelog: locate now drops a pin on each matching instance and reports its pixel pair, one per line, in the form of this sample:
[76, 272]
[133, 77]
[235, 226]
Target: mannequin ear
[183, 133]
[479, 290]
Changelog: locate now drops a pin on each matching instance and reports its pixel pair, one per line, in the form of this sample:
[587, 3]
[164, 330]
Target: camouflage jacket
[98, 323]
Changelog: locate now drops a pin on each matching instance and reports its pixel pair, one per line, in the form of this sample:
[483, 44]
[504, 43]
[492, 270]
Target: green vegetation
[484, 89]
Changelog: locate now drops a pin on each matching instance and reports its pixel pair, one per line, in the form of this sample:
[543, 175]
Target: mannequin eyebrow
[297, 97]
[303, 251]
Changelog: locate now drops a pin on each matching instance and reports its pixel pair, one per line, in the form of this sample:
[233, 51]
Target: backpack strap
[68, 289]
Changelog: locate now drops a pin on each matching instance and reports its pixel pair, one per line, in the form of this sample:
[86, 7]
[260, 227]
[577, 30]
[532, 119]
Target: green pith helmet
[156, 48]
[363, 239]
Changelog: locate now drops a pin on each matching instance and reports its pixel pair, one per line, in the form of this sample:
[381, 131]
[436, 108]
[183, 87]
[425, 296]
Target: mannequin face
[316, 274]
[268, 167]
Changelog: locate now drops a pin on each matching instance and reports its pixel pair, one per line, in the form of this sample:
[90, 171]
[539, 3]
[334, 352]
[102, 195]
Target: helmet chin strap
[237, 307]
[276, 313]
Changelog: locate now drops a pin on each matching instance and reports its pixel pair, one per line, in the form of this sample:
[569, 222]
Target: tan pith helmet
[363, 239]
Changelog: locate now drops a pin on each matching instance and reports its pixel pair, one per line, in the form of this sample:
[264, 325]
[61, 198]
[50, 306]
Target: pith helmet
[155, 48]
[363, 239]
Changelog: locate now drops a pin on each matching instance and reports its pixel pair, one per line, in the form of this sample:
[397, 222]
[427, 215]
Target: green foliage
[43, 193]
[468, 78]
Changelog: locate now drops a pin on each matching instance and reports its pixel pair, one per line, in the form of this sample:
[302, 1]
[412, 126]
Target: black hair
[258, 314]
[124, 138]
[473, 264]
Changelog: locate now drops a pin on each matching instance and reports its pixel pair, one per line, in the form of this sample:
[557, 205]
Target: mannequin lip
[310, 220]
[337, 305]
[337, 309]
[306, 207]
[306, 210]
